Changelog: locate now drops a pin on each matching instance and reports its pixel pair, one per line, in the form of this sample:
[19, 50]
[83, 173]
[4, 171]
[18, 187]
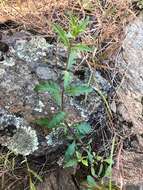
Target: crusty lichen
[31, 50]
[16, 135]
[23, 142]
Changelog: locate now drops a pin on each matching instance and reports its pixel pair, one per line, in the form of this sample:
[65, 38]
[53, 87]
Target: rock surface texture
[29, 60]
[130, 93]
[130, 63]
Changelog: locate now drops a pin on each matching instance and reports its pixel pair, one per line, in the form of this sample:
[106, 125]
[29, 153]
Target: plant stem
[111, 158]
[66, 68]
[62, 102]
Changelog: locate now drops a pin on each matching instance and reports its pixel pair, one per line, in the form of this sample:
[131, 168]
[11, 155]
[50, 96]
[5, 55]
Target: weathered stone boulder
[130, 103]
[130, 64]
[31, 59]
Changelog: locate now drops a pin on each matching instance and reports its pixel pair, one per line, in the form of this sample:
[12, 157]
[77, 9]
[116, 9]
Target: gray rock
[130, 105]
[31, 59]
[17, 135]
[31, 50]
[46, 73]
[130, 64]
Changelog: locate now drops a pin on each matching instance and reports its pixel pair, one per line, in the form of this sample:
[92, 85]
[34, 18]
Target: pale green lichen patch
[55, 137]
[31, 50]
[16, 135]
[24, 141]
[8, 61]
[2, 71]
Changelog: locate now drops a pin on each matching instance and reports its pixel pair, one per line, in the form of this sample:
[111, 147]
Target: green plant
[78, 151]
[58, 91]
[139, 3]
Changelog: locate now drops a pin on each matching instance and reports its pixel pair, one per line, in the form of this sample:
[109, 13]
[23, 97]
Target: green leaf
[51, 87]
[70, 151]
[61, 34]
[83, 24]
[79, 156]
[99, 158]
[90, 157]
[78, 90]
[78, 26]
[57, 119]
[93, 171]
[100, 169]
[67, 78]
[42, 122]
[71, 163]
[72, 59]
[85, 162]
[108, 172]
[74, 26]
[82, 48]
[91, 181]
[83, 129]
[109, 161]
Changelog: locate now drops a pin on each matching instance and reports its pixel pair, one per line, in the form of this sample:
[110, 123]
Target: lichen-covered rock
[17, 135]
[31, 59]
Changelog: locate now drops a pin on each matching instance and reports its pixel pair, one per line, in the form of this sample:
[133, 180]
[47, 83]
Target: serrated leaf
[57, 119]
[74, 26]
[61, 34]
[83, 129]
[82, 48]
[70, 151]
[71, 163]
[83, 24]
[78, 26]
[72, 59]
[91, 181]
[78, 90]
[68, 76]
[42, 122]
[51, 87]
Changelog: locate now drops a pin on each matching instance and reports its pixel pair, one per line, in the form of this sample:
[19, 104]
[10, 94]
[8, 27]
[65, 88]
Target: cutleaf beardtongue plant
[58, 91]
[77, 151]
